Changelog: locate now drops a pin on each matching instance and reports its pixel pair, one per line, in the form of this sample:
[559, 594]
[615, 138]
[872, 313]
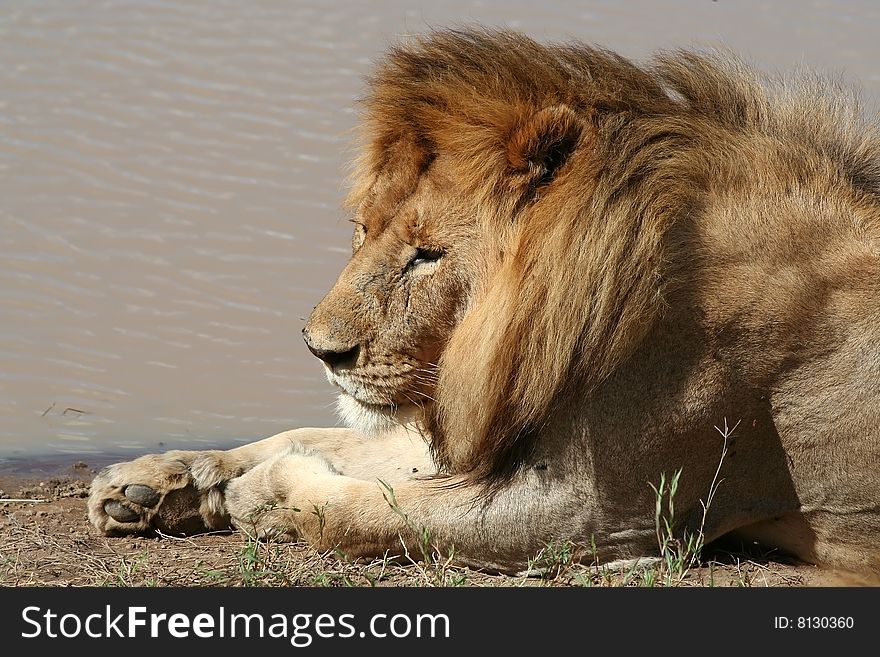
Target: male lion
[567, 270]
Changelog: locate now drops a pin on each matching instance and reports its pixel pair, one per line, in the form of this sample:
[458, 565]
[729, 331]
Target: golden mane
[587, 266]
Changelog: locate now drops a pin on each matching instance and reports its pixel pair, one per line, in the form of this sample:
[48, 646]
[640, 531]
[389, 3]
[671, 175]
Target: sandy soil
[48, 541]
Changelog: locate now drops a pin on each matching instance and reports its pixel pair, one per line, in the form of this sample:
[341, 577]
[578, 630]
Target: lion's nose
[334, 356]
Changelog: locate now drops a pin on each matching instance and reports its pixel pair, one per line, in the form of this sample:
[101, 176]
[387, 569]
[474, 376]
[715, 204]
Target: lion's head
[498, 259]
[416, 252]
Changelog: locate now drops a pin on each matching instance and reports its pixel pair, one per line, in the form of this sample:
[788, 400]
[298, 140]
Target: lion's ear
[542, 142]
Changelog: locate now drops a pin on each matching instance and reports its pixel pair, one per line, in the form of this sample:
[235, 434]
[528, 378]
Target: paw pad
[119, 512]
[141, 494]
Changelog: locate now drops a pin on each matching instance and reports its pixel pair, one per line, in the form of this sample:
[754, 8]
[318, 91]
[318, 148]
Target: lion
[568, 270]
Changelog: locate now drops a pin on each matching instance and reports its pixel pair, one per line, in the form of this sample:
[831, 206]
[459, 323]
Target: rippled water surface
[170, 184]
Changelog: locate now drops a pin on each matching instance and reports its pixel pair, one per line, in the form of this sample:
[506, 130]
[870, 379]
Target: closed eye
[424, 256]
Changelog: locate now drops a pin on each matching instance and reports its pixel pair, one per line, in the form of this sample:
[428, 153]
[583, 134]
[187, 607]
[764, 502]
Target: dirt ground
[46, 540]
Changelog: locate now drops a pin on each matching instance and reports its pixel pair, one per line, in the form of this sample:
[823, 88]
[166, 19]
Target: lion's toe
[211, 469]
[117, 507]
[142, 495]
[113, 513]
[121, 513]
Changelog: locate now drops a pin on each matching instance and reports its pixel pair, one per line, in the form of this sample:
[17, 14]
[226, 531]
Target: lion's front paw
[283, 498]
[175, 493]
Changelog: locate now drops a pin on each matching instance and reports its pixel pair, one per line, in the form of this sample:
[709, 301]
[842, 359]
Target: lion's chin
[373, 419]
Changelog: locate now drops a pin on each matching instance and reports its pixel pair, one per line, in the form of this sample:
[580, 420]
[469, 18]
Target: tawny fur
[568, 269]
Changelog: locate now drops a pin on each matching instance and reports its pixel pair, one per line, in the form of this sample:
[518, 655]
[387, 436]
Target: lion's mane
[588, 265]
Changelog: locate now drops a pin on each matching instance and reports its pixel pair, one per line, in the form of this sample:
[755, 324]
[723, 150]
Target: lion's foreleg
[179, 492]
[298, 496]
[183, 492]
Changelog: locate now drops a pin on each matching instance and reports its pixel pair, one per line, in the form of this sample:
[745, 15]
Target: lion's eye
[424, 257]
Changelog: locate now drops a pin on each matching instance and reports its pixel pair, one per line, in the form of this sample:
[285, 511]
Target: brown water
[170, 185]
